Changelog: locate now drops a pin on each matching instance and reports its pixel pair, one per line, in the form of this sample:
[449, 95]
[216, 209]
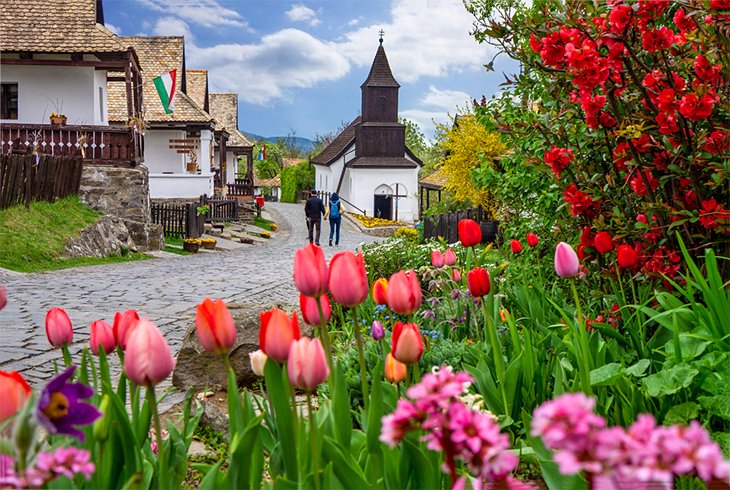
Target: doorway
[383, 207]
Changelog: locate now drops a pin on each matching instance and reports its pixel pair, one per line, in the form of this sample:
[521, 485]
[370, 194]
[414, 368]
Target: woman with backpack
[334, 212]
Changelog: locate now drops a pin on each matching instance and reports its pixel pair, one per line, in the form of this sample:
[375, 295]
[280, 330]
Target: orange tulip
[124, 323]
[307, 365]
[380, 291]
[277, 333]
[348, 281]
[407, 343]
[404, 292]
[395, 371]
[58, 327]
[14, 390]
[470, 233]
[310, 311]
[310, 271]
[214, 326]
[101, 335]
[147, 358]
[478, 282]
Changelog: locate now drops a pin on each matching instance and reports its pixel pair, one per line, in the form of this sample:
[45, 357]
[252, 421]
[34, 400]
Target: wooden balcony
[110, 145]
[242, 189]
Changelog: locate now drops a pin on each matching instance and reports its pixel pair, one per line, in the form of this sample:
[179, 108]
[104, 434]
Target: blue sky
[298, 65]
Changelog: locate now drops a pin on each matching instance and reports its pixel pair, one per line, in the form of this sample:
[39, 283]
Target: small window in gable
[9, 101]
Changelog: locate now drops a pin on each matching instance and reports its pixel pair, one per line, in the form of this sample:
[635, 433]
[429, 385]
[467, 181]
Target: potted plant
[192, 245]
[209, 243]
[58, 119]
[192, 164]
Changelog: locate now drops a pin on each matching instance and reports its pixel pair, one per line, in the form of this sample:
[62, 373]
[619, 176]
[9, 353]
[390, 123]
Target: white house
[233, 183]
[368, 163]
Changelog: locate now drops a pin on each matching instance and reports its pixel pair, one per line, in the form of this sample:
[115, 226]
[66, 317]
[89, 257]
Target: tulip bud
[58, 327]
[277, 333]
[566, 261]
[307, 365]
[450, 257]
[478, 282]
[380, 290]
[395, 371]
[348, 281]
[603, 242]
[437, 259]
[14, 391]
[3, 297]
[377, 330]
[470, 233]
[626, 256]
[456, 275]
[407, 343]
[101, 335]
[310, 310]
[214, 326]
[25, 428]
[124, 323]
[515, 246]
[532, 239]
[147, 359]
[101, 426]
[310, 271]
[404, 292]
[258, 362]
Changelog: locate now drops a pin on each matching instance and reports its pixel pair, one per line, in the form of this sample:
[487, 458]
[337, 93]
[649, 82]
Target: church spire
[380, 74]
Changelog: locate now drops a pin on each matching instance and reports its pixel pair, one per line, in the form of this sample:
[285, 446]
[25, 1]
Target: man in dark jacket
[314, 209]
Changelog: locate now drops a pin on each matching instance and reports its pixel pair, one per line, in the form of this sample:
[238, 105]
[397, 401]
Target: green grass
[178, 241]
[31, 240]
[262, 223]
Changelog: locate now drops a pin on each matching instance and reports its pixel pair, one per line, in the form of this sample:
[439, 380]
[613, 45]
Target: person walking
[335, 210]
[313, 209]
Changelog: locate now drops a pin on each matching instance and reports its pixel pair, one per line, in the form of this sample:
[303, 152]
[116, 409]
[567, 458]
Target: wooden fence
[446, 225]
[24, 178]
[221, 209]
[178, 220]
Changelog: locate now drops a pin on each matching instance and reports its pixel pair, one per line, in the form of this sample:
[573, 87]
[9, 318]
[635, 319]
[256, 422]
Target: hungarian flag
[262, 153]
[165, 85]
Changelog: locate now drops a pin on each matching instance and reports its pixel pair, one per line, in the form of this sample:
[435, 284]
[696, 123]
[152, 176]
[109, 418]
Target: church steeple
[380, 90]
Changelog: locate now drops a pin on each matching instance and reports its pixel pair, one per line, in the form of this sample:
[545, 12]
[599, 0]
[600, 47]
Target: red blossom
[683, 22]
[558, 158]
[619, 18]
[718, 141]
[694, 108]
[708, 72]
[657, 39]
[638, 183]
[711, 212]
[581, 204]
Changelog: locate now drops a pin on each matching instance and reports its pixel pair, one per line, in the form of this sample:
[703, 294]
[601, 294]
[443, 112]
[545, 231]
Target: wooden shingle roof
[380, 74]
[197, 87]
[381, 162]
[55, 26]
[436, 180]
[334, 150]
[224, 108]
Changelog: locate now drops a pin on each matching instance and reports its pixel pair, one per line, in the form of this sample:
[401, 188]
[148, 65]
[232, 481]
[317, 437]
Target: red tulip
[477, 280]
[404, 292]
[124, 323]
[626, 256]
[58, 327]
[3, 297]
[214, 326]
[407, 343]
[310, 311]
[348, 281]
[450, 257]
[437, 259]
[395, 371]
[101, 335]
[307, 365]
[310, 271]
[603, 242]
[515, 246]
[277, 333]
[566, 261]
[470, 233]
[147, 359]
[380, 291]
[456, 275]
[532, 239]
[14, 390]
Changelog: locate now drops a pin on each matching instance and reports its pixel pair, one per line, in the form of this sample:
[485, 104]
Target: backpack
[335, 210]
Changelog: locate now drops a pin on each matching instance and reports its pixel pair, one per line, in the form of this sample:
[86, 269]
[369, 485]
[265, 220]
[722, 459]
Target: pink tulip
[58, 327]
[214, 326]
[566, 261]
[456, 275]
[307, 365]
[147, 359]
[404, 292]
[101, 335]
[277, 333]
[348, 281]
[310, 311]
[3, 297]
[407, 343]
[124, 323]
[258, 361]
[310, 271]
[450, 257]
[437, 259]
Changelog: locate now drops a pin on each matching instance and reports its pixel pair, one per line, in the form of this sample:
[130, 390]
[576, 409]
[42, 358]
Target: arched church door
[383, 204]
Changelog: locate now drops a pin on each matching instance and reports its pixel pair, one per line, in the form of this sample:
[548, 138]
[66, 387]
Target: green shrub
[295, 179]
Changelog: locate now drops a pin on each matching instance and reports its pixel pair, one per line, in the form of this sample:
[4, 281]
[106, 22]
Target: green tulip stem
[325, 335]
[361, 354]
[496, 352]
[584, 354]
[66, 356]
[313, 439]
[158, 435]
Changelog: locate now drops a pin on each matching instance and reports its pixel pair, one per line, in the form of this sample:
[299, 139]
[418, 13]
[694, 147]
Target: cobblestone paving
[165, 290]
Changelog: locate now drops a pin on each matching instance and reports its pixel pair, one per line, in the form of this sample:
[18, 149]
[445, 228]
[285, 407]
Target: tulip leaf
[235, 413]
[278, 389]
[421, 474]
[212, 475]
[329, 479]
[606, 374]
[346, 470]
[341, 408]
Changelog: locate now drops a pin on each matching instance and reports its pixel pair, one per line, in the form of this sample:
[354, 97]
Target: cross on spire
[381, 32]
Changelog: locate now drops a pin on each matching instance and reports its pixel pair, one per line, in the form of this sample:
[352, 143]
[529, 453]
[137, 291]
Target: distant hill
[302, 144]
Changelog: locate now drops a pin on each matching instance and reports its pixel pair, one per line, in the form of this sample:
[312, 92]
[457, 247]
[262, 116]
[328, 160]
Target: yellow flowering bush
[265, 234]
[370, 222]
[409, 234]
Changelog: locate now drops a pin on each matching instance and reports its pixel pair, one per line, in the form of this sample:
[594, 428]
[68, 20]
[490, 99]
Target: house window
[9, 101]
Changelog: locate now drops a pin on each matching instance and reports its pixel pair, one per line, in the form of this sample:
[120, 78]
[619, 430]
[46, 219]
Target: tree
[270, 166]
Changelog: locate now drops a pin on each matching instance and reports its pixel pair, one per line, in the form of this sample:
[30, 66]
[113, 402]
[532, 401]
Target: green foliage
[273, 163]
[295, 179]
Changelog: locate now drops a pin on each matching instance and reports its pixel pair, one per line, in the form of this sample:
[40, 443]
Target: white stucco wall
[158, 156]
[364, 181]
[71, 90]
[180, 186]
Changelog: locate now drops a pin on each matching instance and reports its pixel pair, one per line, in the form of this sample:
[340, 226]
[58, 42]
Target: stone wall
[123, 192]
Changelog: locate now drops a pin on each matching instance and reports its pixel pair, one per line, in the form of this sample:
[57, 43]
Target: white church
[368, 164]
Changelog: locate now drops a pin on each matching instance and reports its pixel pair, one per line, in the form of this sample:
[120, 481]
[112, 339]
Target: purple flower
[434, 301]
[60, 407]
[377, 331]
[455, 294]
[8, 477]
[428, 314]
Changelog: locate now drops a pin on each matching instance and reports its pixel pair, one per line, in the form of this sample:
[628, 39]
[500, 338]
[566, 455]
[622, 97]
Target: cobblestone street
[165, 290]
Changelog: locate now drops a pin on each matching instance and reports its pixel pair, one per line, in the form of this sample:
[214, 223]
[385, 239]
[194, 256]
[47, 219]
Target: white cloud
[112, 28]
[447, 100]
[172, 26]
[262, 72]
[436, 107]
[207, 13]
[354, 22]
[302, 13]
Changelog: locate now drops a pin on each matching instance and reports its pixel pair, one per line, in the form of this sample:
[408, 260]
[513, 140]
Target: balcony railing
[96, 144]
[242, 188]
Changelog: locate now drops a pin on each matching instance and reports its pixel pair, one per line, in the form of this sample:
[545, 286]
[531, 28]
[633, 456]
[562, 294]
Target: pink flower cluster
[64, 461]
[643, 453]
[460, 432]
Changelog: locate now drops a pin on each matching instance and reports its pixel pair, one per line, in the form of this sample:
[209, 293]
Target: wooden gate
[24, 178]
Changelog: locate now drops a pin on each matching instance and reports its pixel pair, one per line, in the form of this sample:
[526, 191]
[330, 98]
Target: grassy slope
[30, 240]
